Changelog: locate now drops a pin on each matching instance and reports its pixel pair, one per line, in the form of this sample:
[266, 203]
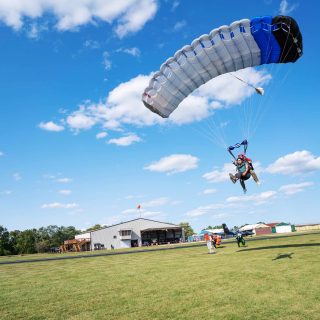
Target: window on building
[125, 233]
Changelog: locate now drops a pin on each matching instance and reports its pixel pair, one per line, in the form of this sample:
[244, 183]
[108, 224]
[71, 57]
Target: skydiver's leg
[243, 185]
[232, 178]
[255, 177]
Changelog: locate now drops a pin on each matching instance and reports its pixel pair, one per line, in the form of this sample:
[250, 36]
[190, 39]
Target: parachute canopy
[245, 43]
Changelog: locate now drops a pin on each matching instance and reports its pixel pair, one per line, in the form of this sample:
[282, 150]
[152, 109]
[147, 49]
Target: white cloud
[294, 188]
[51, 126]
[64, 180]
[92, 44]
[80, 121]
[101, 135]
[220, 175]
[175, 5]
[35, 29]
[229, 90]
[174, 163]
[285, 8]
[123, 105]
[209, 191]
[136, 16]
[58, 205]
[297, 163]
[135, 52]
[255, 199]
[179, 25]
[65, 192]
[17, 176]
[125, 141]
[127, 16]
[155, 203]
[211, 208]
[107, 63]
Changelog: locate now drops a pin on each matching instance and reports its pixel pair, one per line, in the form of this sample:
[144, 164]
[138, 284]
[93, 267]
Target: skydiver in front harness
[244, 166]
[242, 174]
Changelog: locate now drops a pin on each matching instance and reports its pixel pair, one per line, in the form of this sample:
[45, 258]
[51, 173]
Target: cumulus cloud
[135, 52]
[219, 175]
[58, 205]
[80, 121]
[174, 163]
[294, 188]
[297, 163]
[286, 8]
[256, 199]
[125, 141]
[209, 191]
[123, 105]
[126, 16]
[51, 126]
[101, 135]
[65, 192]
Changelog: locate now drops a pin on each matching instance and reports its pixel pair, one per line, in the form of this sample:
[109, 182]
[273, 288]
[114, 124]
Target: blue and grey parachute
[245, 43]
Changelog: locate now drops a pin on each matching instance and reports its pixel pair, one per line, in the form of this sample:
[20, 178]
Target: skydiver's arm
[246, 171]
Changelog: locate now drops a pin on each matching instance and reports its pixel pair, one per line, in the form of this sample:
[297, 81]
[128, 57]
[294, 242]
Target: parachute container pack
[245, 43]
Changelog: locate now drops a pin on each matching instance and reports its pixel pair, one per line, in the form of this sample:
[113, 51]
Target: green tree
[4, 241]
[95, 227]
[26, 241]
[188, 231]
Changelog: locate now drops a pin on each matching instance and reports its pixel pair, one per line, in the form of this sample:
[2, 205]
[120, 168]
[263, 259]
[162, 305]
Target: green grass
[175, 284]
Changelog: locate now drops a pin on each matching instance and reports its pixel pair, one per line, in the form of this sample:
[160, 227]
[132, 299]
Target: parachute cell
[245, 43]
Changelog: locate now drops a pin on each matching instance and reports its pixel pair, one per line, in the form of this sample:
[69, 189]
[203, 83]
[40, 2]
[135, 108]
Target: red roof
[272, 224]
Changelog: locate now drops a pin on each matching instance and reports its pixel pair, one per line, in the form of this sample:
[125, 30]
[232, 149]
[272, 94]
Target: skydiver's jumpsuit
[241, 169]
[240, 239]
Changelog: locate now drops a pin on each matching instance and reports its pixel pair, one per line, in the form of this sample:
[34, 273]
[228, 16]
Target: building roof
[307, 224]
[123, 222]
[272, 224]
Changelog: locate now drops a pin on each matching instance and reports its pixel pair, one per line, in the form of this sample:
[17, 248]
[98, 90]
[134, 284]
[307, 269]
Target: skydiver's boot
[243, 186]
[255, 177]
[232, 178]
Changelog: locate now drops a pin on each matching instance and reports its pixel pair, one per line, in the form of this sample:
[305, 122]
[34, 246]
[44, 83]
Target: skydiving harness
[244, 143]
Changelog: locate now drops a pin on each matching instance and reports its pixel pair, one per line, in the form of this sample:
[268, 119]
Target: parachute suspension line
[217, 130]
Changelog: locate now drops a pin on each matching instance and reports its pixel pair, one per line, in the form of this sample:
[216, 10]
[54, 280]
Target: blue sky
[77, 146]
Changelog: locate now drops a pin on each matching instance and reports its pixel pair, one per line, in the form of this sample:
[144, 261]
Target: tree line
[34, 240]
[47, 238]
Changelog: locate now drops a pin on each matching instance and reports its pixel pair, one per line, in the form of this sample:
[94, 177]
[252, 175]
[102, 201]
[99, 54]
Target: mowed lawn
[270, 279]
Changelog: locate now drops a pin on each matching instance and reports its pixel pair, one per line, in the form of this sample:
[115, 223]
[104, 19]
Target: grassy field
[270, 279]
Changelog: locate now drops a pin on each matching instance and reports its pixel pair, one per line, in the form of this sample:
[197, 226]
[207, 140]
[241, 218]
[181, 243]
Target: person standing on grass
[208, 240]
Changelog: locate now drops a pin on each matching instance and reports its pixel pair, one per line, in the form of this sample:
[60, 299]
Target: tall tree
[188, 231]
[26, 242]
[4, 241]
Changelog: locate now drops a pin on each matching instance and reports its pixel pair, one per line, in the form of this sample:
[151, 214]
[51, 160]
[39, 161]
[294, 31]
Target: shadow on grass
[283, 246]
[283, 256]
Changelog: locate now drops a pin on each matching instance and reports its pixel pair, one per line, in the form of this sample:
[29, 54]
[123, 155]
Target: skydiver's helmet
[241, 156]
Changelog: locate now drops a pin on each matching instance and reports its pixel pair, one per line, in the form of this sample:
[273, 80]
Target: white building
[136, 233]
